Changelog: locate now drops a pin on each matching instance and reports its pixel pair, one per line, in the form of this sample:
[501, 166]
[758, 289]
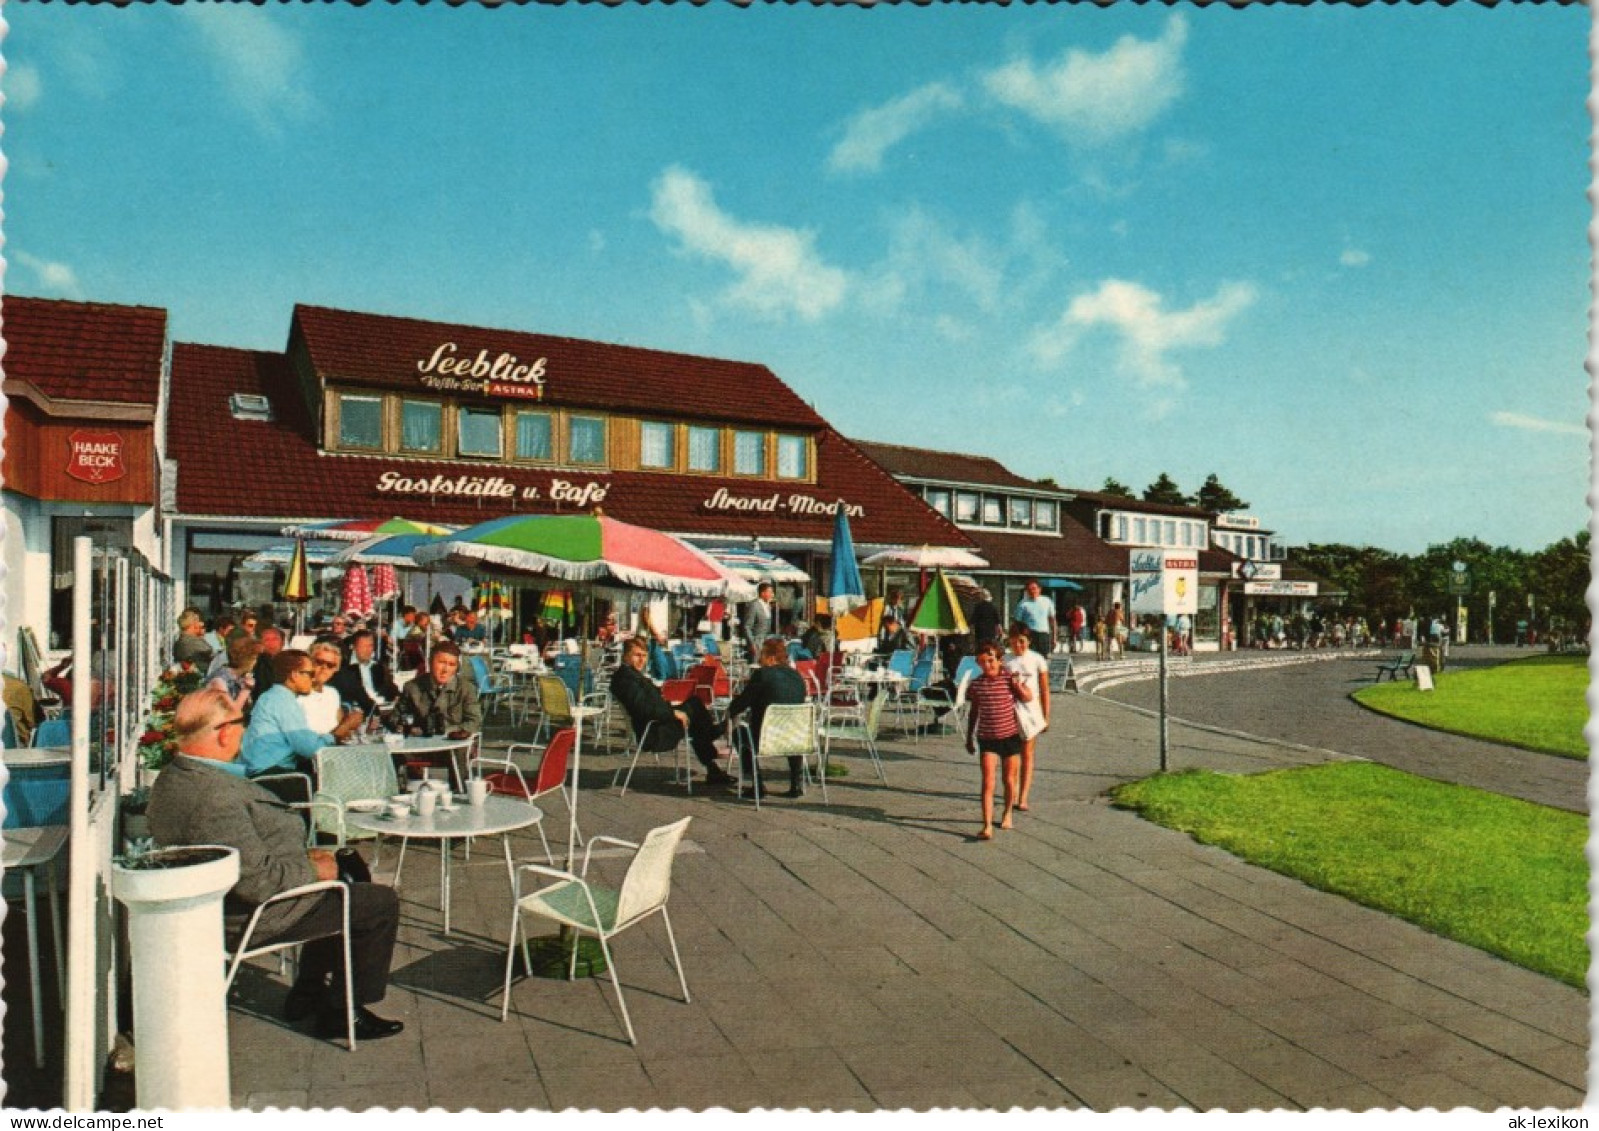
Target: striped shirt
[994, 706]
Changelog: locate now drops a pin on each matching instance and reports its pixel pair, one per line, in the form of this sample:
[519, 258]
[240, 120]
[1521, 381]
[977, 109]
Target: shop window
[993, 510]
[421, 426]
[107, 534]
[791, 461]
[656, 445]
[587, 439]
[535, 436]
[1021, 513]
[1043, 514]
[480, 432]
[939, 499]
[704, 448]
[966, 504]
[360, 421]
[749, 453]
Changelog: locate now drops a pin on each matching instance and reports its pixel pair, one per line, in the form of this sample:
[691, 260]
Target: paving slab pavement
[870, 954]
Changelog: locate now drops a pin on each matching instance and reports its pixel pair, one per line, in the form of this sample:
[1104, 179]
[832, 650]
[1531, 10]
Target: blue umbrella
[844, 587]
[1060, 583]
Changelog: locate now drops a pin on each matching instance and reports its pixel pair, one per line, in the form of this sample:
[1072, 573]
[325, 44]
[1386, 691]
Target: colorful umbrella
[556, 608]
[357, 593]
[297, 585]
[384, 549]
[844, 588]
[359, 529]
[493, 599]
[938, 613]
[757, 566]
[927, 557]
[282, 553]
[587, 548]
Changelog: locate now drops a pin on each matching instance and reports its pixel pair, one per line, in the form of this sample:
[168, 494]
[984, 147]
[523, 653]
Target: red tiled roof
[948, 467]
[376, 349]
[85, 351]
[236, 467]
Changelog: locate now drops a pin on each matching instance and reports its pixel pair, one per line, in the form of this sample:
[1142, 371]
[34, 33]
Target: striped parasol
[360, 529]
[756, 565]
[385, 582]
[556, 607]
[297, 584]
[493, 600]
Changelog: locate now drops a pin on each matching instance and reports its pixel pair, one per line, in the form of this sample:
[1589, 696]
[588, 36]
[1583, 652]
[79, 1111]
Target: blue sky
[1337, 257]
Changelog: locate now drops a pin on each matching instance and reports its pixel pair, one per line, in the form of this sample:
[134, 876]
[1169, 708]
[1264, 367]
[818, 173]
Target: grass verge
[1538, 703]
[1495, 872]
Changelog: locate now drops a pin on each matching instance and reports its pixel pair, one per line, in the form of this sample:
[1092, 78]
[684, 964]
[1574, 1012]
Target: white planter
[179, 981]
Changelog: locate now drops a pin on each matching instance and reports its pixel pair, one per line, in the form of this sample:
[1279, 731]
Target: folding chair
[787, 730]
[244, 950]
[549, 777]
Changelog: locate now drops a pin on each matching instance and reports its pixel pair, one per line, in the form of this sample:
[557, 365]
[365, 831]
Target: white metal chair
[599, 911]
[862, 730]
[645, 744]
[244, 950]
[296, 791]
[787, 730]
[350, 773]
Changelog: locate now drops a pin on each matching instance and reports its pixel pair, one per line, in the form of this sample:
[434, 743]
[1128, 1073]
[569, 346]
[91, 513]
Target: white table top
[27, 847]
[495, 816]
[419, 744]
[38, 756]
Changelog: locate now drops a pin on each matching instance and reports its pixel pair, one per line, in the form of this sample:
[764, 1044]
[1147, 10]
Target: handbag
[1031, 725]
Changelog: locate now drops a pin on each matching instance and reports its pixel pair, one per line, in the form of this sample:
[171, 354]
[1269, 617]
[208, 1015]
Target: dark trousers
[701, 731]
[374, 921]
[796, 764]
[1042, 643]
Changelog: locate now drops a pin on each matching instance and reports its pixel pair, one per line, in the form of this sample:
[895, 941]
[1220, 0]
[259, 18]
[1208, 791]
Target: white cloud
[923, 251]
[1097, 98]
[22, 86]
[1354, 257]
[57, 278]
[261, 64]
[871, 133]
[1147, 331]
[778, 268]
[1537, 424]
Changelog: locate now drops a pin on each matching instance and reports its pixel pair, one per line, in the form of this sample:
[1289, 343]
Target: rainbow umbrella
[587, 547]
[756, 565]
[493, 599]
[556, 608]
[360, 529]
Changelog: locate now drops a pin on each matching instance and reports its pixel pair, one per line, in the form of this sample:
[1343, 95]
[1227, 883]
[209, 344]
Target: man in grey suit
[757, 617]
[203, 797]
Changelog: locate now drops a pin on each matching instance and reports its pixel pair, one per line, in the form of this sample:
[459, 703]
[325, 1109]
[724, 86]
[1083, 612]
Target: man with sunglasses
[202, 797]
[280, 738]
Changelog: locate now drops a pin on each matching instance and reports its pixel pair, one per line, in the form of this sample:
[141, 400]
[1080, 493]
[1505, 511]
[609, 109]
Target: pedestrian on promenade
[1076, 618]
[993, 733]
[1033, 671]
[1037, 612]
[1101, 638]
[985, 620]
[1116, 629]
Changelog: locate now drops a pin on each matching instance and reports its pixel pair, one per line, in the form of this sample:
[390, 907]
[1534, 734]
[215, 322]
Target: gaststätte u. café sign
[95, 456]
[501, 375]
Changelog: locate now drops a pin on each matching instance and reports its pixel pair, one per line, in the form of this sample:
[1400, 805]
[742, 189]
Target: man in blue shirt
[1037, 613]
[279, 738]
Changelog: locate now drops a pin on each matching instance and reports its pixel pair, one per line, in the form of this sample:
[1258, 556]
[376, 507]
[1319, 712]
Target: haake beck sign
[95, 457]
[1163, 582]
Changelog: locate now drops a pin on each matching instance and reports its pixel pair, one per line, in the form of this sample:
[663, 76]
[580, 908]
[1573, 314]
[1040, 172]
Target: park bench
[1404, 662]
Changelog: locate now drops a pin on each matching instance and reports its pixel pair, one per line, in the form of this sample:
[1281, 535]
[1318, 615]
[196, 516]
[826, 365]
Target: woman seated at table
[236, 678]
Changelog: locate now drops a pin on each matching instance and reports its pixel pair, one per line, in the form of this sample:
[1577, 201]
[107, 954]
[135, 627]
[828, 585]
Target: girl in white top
[1033, 671]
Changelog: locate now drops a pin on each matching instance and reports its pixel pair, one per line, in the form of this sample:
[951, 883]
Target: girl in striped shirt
[991, 726]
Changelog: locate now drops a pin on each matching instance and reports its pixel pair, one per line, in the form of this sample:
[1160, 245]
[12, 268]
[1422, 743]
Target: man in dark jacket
[774, 681]
[645, 705]
[202, 797]
[365, 681]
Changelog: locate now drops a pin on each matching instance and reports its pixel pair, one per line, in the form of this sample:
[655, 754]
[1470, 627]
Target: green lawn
[1537, 703]
[1498, 873]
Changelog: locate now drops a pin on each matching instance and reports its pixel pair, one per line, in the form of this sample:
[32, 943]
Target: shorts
[1005, 747]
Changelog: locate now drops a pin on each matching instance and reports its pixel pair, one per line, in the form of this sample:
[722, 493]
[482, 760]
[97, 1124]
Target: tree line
[1544, 589]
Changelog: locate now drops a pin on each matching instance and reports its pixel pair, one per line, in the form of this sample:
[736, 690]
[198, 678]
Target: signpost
[1163, 583]
[1460, 587]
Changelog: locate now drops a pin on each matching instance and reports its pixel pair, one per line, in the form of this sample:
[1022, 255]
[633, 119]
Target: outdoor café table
[409, 747]
[497, 816]
[38, 756]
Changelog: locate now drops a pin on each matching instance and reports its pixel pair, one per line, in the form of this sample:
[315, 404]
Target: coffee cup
[425, 801]
[398, 809]
[477, 791]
